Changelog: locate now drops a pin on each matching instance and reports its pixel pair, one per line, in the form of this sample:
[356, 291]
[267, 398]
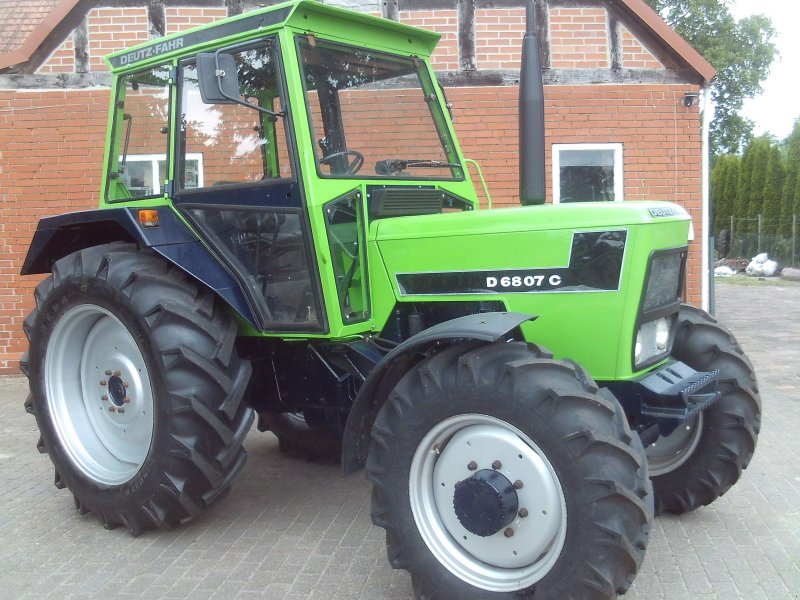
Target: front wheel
[499, 472]
[703, 458]
[136, 387]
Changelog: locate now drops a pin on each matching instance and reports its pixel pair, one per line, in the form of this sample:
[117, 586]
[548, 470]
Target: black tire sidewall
[730, 425]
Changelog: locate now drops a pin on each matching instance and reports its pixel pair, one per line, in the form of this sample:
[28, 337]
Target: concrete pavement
[292, 530]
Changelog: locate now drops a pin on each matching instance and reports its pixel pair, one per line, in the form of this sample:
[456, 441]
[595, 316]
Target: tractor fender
[58, 236]
[485, 327]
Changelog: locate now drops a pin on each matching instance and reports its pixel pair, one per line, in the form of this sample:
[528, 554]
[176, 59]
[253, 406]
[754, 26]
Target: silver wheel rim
[499, 562]
[99, 394]
[669, 452]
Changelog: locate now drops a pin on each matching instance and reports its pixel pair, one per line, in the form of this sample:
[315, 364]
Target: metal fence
[746, 237]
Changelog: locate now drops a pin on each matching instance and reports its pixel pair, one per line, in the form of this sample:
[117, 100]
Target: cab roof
[306, 16]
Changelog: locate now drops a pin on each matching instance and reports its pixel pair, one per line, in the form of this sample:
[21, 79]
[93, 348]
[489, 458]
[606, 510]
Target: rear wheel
[297, 437]
[136, 387]
[703, 458]
[498, 472]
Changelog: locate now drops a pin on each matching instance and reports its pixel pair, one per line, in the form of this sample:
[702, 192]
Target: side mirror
[218, 78]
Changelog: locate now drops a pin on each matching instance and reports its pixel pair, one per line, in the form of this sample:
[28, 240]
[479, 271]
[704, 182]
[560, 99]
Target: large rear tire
[499, 472]
[136, 387]
[701, 460]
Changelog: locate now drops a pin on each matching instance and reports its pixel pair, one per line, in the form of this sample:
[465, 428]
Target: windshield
[374, 114]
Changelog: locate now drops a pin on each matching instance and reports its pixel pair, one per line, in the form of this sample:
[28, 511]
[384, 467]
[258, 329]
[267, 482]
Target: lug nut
[109, 373]
[497, 465]
[523, 512]
[117, 373]
[120, 410]
[104, 397]
[518, 485]
[472, 465]
[126, 400]
[103, 382]
[112, 409]
[125, 384]
[508, 532]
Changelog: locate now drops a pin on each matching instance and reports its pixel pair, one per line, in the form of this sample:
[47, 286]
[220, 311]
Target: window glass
[141, 128]
[266, 247]
[374, 114]
[587, 172]
[238, 144]
[145, 173]
[345, 233]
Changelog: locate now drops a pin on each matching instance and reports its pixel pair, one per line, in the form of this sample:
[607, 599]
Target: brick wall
[579, 38]
[51, 151]
[498, 35]
[634, 54]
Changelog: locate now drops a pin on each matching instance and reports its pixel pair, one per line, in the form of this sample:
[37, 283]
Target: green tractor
[287, 228]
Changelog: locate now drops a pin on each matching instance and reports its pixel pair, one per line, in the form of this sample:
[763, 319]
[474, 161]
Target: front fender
[484, 327]
[61, 235]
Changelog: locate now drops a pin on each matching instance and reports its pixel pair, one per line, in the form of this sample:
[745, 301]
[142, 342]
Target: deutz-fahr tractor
[287, 228]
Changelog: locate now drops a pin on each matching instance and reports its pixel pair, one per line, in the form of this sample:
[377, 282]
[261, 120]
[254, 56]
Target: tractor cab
[279, 146]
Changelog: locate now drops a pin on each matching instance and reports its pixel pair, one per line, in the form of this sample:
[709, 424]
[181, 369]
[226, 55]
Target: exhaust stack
[531, 115]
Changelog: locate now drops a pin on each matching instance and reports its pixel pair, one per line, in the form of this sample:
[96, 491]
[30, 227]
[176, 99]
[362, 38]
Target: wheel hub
[485, 503]
[116, 390]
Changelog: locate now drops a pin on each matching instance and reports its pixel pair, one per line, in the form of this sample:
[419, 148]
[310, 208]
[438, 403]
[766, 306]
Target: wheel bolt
[518, 485]
[472, 465]
[104, 397]
[103, 382]
[508, 532]
[497, 465]
[112, 409]
[523, 512]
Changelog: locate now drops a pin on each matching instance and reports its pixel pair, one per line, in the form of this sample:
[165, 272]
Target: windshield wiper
[391, 166]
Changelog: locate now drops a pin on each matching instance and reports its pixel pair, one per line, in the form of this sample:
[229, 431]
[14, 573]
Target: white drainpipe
[705, 260]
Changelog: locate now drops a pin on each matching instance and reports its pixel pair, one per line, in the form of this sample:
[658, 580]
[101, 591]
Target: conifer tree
[789, 196]
[773, 190]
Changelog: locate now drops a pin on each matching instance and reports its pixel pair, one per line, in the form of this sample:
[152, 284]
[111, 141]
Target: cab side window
[235, 144]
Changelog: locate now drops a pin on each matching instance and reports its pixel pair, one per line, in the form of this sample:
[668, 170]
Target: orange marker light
[148, 217]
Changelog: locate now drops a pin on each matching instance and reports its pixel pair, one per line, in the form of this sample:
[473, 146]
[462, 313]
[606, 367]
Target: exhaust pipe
[531, 115]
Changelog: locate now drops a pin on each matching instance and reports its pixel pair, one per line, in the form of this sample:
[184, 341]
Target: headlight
[652, 340]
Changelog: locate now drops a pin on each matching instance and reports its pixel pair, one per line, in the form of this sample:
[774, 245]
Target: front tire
[565, 480]
[136, 387]
[703, 458]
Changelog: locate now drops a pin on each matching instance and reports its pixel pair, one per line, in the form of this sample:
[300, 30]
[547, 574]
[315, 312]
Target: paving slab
[292, 529]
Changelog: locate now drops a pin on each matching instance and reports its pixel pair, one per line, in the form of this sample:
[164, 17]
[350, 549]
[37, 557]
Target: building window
[145, 174]
[587, 173]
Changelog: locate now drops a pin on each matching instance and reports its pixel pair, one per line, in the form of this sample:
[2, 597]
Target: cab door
[237, 181]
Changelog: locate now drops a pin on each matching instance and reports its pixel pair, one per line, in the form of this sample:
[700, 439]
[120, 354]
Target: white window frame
[619, 174]
[154, 159]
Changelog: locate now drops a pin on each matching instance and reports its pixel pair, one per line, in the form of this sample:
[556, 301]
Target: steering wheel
[353, 166]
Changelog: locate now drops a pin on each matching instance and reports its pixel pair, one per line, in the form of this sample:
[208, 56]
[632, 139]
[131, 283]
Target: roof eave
[40, 33]
[671, 38]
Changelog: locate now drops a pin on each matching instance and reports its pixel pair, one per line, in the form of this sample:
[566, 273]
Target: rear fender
[58, 236]
[485, 327]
